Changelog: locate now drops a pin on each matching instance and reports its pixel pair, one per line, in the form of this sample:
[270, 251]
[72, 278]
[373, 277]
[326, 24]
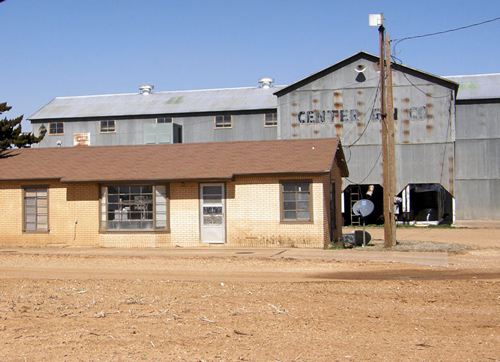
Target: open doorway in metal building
[424, 204]
[353, 193]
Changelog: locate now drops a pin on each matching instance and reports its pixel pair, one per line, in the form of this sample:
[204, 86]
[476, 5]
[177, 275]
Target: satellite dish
[363, 207]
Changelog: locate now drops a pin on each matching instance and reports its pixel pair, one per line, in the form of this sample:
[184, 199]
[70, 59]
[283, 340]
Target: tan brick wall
[184, 213]
[253, 214]
[67, 204]
[252, 217]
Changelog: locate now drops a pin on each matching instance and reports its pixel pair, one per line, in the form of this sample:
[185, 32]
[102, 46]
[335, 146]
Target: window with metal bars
[134, 207]
[36, 211]
[296, 203]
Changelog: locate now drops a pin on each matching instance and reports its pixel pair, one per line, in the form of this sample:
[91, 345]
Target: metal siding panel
[476, 121]
[477, 199]
[245, 127]
[422, 164]
[478, 159]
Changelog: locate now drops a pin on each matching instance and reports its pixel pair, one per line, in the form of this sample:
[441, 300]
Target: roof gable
[362, 55]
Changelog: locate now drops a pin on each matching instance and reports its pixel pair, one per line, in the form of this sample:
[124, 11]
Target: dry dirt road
[253, 305]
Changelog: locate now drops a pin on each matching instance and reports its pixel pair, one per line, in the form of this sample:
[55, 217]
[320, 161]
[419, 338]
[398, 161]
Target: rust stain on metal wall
[451, 175]
[339, 129]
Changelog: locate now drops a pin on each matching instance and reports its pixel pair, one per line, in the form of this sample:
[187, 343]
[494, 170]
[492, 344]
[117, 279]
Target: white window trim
[171, 120]
[271, 125]
[223, 127]
[106, 120]
[103, 209]
[55, 134]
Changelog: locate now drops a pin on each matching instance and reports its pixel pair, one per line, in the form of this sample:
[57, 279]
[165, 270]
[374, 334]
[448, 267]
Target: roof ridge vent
[266, 82]
[146, 89]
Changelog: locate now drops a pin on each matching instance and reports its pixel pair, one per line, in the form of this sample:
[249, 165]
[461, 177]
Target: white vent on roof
[146, 89]
[266, 82]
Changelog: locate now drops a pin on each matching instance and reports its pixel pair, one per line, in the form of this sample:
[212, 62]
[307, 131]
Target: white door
[212, 213]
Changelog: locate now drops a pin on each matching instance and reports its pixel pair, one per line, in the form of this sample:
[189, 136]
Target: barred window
[56, 128]
[134, 207]
[296, 201]
[271, 119]
[108, 126]
[223, 121]
[36, 212]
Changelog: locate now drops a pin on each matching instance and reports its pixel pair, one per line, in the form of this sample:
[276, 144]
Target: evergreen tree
[11, 134]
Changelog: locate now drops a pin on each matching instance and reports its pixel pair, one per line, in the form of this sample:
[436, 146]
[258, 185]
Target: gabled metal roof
[175, 102]
[477, 86]
[363, 55]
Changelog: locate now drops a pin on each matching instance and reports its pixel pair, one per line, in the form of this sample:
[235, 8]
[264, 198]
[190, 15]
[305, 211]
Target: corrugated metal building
[477, 147]
[234, 114]
[341, 100]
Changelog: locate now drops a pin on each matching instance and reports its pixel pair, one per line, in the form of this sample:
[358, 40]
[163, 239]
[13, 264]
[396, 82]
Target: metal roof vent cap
[146, 89]
[266, 82]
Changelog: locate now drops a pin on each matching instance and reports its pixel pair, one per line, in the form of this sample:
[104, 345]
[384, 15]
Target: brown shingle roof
[202, 161]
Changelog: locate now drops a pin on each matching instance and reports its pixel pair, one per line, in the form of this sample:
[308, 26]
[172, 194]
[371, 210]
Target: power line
[399, 61]
[369, 173]
[369, 118]
[399, 40]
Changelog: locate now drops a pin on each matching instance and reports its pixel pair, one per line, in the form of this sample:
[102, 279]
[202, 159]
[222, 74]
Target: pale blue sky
[68, 47]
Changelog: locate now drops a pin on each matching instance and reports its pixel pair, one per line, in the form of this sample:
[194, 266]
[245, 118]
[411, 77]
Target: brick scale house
[248, 193]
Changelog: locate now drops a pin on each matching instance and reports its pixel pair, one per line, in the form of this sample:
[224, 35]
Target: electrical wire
[397, 41]
[369, 173]
[399, 61]
[400, 40]
[369, 118]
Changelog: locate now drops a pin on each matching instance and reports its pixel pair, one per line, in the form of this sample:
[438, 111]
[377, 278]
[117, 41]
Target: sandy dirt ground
[251, 304]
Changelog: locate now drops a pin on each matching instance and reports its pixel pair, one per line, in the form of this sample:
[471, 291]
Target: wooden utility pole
[388, 143]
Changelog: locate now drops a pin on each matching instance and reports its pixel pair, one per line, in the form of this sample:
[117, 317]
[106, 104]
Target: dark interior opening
[374, 193]
[428, 203]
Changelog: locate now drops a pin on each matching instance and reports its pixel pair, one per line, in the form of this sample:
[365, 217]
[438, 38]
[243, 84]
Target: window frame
[282, 203]
[225, 124]
[37, 231]
[165, 118]
[103, 225]
[275, 124]
[107, 123]
[56, 133]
